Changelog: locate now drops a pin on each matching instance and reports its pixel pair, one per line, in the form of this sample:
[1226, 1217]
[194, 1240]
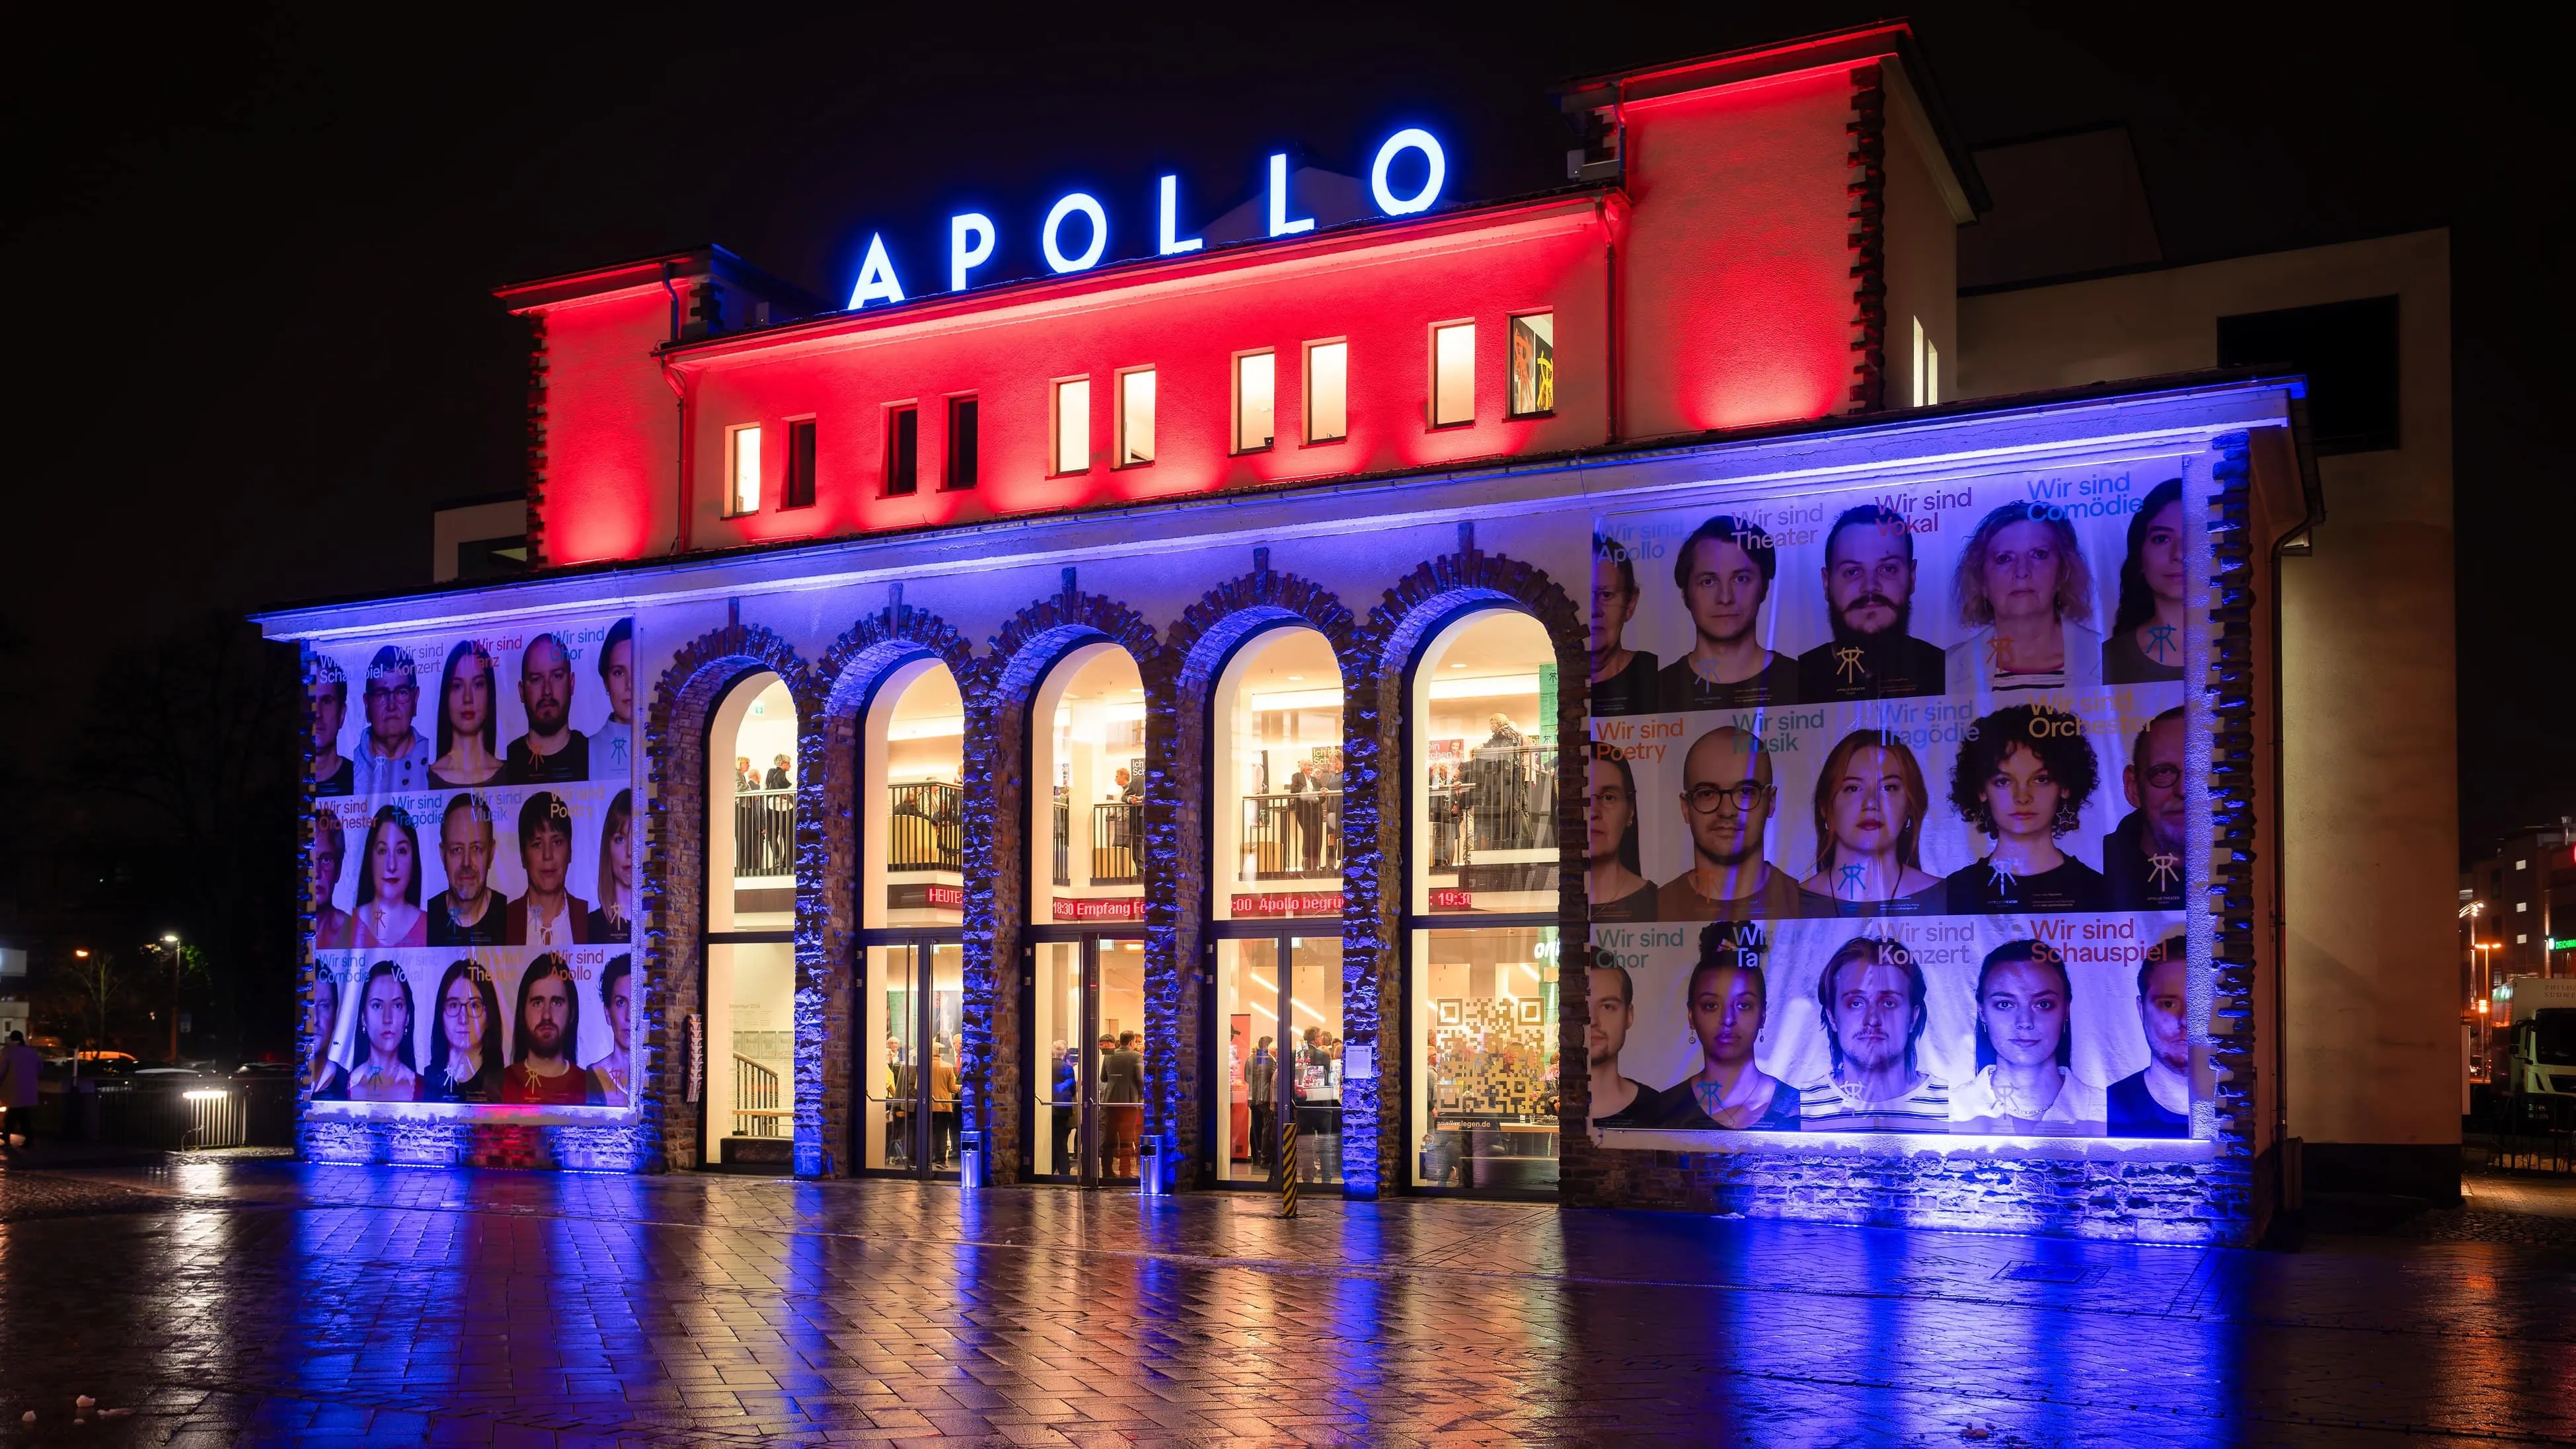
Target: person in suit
[1122, 1113]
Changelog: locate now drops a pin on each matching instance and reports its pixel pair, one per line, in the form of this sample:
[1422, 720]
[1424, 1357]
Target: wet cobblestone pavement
[249, 1301]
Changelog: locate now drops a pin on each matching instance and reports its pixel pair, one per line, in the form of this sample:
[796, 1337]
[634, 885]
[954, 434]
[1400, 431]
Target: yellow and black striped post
[1288, 1164]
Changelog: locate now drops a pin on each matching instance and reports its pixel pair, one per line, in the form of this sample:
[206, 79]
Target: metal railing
[764, 833]
[1063, 840]
[1116, 832]
[1503, 798]
[925, 826]
[756, 1112]
[1293, 836]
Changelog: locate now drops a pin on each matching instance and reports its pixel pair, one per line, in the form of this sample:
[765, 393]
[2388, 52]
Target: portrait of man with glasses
[1727, 798]
[2144, 856]
[394, 758]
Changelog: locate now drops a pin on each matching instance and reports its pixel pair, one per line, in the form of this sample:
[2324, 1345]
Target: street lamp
[170, 943]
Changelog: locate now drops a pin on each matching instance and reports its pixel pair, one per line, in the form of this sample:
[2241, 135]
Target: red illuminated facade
[1764, 225]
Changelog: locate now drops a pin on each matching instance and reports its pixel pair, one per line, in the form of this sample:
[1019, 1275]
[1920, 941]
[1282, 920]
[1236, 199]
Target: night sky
[252, 253]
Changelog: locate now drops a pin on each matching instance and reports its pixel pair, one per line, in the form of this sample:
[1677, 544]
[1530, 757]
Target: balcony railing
[1502, 799]
[1117, 832]
[756, 1112]
[764, 833]
[925, 827]
[1293, 836]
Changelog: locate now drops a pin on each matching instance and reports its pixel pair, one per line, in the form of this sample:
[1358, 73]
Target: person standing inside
[943, 1104]
[1261, 1084]
[19, 1064]
[1122, 1094]
[1067, 1113]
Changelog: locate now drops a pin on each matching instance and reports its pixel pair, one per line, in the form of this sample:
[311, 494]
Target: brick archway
[1030, 643]
[1408, 617]
[1207, 634]
[828, 742]
[672, 892]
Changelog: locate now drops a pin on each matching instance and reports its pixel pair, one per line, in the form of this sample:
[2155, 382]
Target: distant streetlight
[170, 943]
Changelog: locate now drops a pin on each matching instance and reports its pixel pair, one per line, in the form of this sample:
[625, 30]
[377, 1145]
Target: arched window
[751, 911]
[1276, 879]
[912, 895]
[1482, 974]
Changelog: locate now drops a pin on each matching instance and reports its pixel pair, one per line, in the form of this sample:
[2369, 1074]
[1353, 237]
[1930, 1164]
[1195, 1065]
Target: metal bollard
[1288, 1164]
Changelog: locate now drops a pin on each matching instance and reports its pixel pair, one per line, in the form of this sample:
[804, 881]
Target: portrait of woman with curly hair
[2022, 777]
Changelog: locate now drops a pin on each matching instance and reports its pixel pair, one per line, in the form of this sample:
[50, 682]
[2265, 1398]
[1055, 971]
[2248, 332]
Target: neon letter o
[1411, 138]
[1055, 256]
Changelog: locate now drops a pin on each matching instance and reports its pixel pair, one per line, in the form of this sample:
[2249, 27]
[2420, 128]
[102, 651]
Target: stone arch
[1176, 835]
[1409, 615]
[847, 678]
[996, 857]
[672, 892]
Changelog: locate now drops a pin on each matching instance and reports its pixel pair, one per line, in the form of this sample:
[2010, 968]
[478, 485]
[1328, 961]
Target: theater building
[1552, 698]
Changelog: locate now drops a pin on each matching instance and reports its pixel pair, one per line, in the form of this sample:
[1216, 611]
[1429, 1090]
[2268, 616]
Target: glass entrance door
[1279, 1003]
[1087, 1076]
[914, 991]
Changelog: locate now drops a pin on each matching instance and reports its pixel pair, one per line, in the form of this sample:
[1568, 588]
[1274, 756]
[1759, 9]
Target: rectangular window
[1072, 409]
[1255, 394]
[800, 465]
[1453, 374]
[742, 469]
[1922, 394]
[1533, 364]
[1931, 373]
[1135, 417]
[903, 451]
[1328, 397]
[963, 444]
[2348, 351]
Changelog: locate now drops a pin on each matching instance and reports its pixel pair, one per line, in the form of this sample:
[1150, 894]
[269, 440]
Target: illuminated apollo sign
[1075, 235]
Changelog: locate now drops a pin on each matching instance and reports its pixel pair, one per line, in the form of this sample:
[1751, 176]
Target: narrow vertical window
[1922, 392]
[800, 465]
[1072, 410]
[1135, 417]
[1533, 361]
[742, 486]
[1453, 374]
[1255, 390]
[1328, 403]
[903, 451]
[964, 448]
[1931, 373]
